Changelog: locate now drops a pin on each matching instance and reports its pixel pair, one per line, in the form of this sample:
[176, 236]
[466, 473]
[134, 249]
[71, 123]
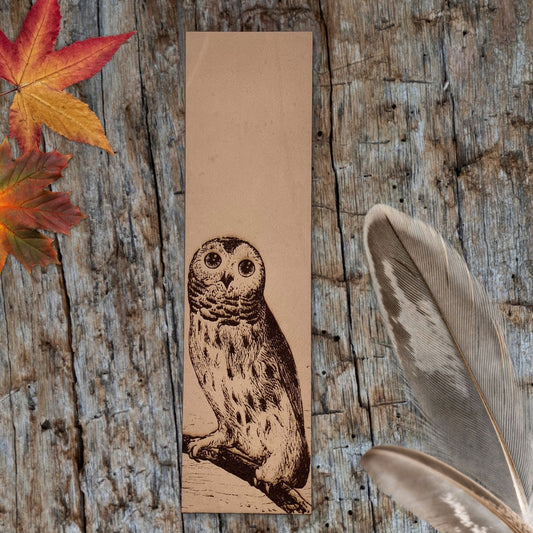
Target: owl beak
[226, 279]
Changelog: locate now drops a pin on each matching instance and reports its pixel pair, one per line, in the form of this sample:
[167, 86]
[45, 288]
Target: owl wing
[277, 350]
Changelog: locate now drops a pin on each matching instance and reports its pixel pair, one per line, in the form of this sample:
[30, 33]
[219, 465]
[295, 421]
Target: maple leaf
[26, 207]
[40, 74]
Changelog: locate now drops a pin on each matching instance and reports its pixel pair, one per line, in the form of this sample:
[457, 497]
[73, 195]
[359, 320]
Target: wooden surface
[423, 105]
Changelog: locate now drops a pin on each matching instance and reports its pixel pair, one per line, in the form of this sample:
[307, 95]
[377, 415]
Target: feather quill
[449, 339]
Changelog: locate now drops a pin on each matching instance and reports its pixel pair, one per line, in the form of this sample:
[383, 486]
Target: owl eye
[246, 268]
[212, 260]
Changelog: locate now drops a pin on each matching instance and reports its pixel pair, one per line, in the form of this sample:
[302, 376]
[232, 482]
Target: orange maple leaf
[40, 74]
[26, 207]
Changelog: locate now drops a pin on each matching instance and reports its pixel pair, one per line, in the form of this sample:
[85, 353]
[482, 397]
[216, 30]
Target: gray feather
[438, 493]
[450, 342]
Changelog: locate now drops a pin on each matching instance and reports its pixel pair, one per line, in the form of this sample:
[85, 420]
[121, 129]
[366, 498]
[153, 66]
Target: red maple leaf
[26, 207]
[40, 74]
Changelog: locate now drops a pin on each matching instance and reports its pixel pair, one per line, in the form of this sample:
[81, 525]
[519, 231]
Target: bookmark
[247, 361]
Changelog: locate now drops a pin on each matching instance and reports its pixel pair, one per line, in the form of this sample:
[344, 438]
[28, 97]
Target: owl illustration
[244, 364]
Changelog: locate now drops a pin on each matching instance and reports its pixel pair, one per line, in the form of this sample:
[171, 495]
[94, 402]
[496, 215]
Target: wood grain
[423, 105]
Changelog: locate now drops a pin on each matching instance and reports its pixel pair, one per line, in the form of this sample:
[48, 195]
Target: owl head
[226, 276]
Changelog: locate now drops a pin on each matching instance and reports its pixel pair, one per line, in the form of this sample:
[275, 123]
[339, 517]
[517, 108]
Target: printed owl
[244, 364]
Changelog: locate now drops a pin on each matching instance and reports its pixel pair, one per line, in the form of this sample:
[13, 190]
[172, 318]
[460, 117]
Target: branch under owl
[234, 462]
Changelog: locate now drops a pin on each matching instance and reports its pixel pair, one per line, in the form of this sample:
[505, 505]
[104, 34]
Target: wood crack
[80, 447]
[337, 196]
[12, 410]
[167, 297]
[342, 242]
[328, 413]
[100, 74]
[446, 84]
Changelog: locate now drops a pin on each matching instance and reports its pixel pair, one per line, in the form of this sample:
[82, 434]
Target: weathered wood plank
[425, 106]
[118, 307]
[39, 436]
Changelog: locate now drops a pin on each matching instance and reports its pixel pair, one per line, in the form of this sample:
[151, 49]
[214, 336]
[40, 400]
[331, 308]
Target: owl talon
[193, 452]
[196, 447]
[265, 485]
[199, 445]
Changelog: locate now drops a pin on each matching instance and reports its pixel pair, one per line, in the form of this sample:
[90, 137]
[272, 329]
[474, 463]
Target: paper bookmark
[247, 380]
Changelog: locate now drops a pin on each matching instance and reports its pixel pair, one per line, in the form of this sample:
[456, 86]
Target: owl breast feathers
[244, 364]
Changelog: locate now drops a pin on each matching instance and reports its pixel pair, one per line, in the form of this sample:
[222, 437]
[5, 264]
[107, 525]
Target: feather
[438, 493]
[449, 339]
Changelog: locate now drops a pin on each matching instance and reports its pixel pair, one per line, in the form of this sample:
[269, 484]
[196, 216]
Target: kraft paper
[247, 364]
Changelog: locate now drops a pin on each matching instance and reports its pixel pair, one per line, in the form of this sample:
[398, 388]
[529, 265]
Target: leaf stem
[10, 91]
